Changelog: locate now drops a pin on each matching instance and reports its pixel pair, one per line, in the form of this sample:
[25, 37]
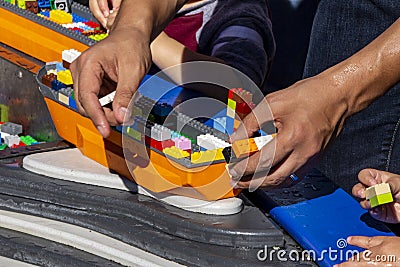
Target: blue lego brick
[325, 222]
[60, 67]
[76, 18]
[44, 4]
[45, 14]
[72, 103]
[162, 109]
[57, 85]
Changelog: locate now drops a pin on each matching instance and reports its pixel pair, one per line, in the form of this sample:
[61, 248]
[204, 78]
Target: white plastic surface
[71, 165]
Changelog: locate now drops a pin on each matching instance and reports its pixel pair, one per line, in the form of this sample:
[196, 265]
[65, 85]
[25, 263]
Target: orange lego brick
[243, 148]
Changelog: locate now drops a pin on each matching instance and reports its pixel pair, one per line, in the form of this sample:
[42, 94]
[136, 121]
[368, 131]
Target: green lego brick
[133, 133]
[3, 146]
[28, 140]
[232, 104]
[3, 113]
[381, 199]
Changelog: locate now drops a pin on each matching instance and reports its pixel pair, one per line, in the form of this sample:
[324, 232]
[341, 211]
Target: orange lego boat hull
[148, 168]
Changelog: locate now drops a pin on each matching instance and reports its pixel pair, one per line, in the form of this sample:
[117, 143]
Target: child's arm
[369, 177]
[168, 52]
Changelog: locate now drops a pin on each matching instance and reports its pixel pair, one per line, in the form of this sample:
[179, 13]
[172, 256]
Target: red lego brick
[47, 79]
[19, 145]
[167, 144]
[243, 108]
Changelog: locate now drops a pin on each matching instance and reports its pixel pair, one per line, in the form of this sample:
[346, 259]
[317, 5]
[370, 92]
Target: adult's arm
[309, 114]
[122, 59]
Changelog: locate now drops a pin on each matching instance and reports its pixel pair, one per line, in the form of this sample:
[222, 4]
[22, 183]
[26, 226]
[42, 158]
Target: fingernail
[123, 111]
[360, 192]
[105, 13]
[101, 130]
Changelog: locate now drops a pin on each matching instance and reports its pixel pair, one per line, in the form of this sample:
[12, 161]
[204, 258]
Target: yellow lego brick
[231, 104]
[65, 77]
[60, 16]
[243, 148]
[176, 152]
[21, 4]
[207, 156]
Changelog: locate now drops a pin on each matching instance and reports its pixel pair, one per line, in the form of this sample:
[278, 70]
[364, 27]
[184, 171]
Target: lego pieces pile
[63, 13]
[379, 194]
[9, 136]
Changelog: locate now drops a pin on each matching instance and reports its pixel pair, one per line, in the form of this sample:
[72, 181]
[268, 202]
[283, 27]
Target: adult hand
[102, 12]
[307, 116]
[390, 212]
[382, 251]
[122, 58]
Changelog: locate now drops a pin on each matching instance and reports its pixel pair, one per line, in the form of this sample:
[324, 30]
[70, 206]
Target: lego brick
[160, 133]
[82, 11]
[70, 55]
[47, 79]
[11, 128]
[261, 141]
[231, 104]
[162, 109]
[44, 4]
[379, 194]
[176, 152]
[381, 199]
[210, 142]
[12, 140]
[63, 99]
[230, 112]
[32, 6]
[207, 156]
[21, 4]
[244, 108]
[134, 134]
[168, 144]
[224, 124]
[3, 146]
[154, 143]
[182, 143]
[3, 113]
[28, 140]
[57, 85]
[60, 16]
[72, 103]
[243, 148]
[63, 5]
[65, 77]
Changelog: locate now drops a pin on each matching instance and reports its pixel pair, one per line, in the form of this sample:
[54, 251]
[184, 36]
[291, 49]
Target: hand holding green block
[379, 194]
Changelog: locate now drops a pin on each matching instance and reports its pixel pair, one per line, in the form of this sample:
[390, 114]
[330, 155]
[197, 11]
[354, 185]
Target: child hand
[390, 212]
[102, 12]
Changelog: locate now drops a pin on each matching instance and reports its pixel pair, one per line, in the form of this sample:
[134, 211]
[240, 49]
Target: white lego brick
[230, 112]
[261, 141]
[160, 133]
[210, 142]
[70, 55]
[12, 140]
[63, 99]
[376, 190]
[107, 99]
